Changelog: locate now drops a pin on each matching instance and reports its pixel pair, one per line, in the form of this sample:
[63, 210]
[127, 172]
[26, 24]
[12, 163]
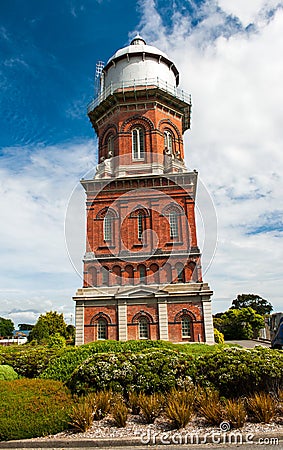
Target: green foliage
[56, 341]
[218, 336]
[235, 413]
[179, 407]
[257, 303]
[81, 416]
[6, 327]
[7, 373]
[239, 324]
[262, 406]
[25, 327]
[48, 325]
[28, 361]
[151, 406]
[31, 408]
[236, 372]
[150, 371]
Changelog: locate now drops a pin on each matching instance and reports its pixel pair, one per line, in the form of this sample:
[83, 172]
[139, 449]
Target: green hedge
[31, 408]
[150, 371]
[62, 367]
[236, 372]
[28, 361]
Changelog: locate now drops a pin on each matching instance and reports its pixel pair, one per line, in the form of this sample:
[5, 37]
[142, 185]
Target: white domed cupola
[139, 64]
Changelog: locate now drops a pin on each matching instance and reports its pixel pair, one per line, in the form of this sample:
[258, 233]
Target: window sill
[104, 247]
[174, 243]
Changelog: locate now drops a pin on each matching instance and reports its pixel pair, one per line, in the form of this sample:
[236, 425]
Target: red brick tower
[142, 267]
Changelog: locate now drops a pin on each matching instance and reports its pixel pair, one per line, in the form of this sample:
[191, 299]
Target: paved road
[249, 344]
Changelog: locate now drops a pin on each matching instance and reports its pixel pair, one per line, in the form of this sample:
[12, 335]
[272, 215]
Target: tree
[259, 304]
[48, 324]
[239, 323]
[25, 327]
[6, 327]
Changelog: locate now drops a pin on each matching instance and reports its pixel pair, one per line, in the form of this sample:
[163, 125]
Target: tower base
[178, 312]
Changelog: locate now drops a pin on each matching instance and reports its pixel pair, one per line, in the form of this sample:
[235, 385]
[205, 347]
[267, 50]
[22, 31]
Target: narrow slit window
[140, 224]
[173, 221]
[168, 142]
[138, 143]
[107, 228]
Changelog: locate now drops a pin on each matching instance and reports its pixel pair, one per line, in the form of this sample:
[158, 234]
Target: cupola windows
[138, 143]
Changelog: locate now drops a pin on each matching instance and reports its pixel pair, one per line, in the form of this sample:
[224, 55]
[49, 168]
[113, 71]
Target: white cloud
[235, 78]
[34, 269]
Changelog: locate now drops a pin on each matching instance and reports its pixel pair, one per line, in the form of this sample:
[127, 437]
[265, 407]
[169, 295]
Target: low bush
[262, 407]
[240, 372]
[31, 408]
[100, 403]
[218, 336]
[235, 413]
[81, 416]
[151, 406]
[62, 367]
[29, 361]
[120, 413]
[209, 405]
[179, 407]
[149, 372]
[7, 373]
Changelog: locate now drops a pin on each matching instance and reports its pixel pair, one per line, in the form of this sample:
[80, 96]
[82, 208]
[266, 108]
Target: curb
[229, 438]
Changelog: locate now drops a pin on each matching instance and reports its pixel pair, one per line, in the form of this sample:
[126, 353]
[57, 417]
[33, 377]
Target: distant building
[142, 266]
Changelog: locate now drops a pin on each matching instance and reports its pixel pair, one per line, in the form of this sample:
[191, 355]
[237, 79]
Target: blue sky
[229, 55]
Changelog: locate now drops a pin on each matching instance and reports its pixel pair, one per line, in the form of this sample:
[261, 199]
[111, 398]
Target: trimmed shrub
[31, 408]
[149, 372]
[28, 361]
[7, 373]
[240, 372]
[62, 367]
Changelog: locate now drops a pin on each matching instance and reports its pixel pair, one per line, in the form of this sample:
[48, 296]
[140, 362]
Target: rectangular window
[173, 221]
[140, 225]
[138, 143]
[101, 332]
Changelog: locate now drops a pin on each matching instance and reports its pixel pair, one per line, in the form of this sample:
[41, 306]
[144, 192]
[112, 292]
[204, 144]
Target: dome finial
[138, 40]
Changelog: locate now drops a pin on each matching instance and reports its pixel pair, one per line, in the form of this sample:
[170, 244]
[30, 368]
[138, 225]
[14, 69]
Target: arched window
[186, 327]
[173, 222]
[168, 142]
[143, 328]
[180, 273]
[105, 276]
[101, 329]
[92, 276]
[138, 143]
[142, 273]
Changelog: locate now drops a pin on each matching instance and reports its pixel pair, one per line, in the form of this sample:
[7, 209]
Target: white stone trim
[208, 322]
[122, 321]
[163, 321]
[79, 340]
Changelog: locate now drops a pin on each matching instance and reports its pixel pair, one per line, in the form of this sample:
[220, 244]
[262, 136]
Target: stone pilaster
[122, 321]
[163, 321]
[208, 322]
[79, 324]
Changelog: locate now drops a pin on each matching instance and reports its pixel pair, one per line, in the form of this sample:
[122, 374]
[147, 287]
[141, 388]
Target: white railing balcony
[146, 83]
